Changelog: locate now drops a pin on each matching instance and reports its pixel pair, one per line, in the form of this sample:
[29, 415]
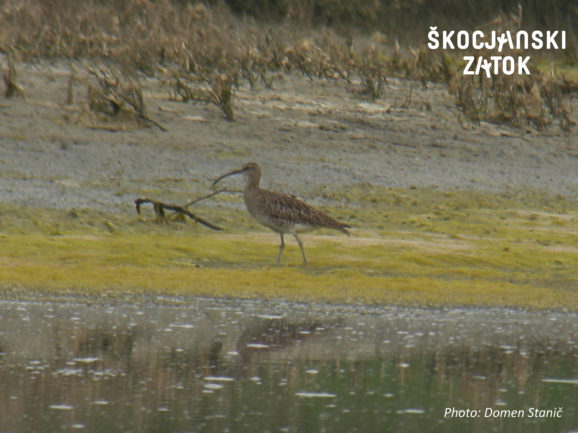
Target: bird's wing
[282, 207]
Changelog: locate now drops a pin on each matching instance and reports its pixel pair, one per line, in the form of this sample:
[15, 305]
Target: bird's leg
[281, 247]
[302, 249]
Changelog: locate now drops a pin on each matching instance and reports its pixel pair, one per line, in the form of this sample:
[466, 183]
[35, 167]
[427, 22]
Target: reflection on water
[246, 366]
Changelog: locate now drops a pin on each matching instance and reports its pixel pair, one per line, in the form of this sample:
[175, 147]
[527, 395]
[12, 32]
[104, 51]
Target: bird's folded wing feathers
[284, 207]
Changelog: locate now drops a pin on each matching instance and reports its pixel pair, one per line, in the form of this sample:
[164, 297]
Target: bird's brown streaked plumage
[282, 213]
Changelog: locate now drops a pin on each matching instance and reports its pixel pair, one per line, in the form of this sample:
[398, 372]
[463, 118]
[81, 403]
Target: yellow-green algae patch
[411, 246]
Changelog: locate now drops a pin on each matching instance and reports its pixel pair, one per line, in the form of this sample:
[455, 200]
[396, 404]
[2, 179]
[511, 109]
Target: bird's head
[251, 170]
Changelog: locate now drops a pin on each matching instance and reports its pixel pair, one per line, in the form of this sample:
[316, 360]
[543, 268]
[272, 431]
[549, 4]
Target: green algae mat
[408, 247]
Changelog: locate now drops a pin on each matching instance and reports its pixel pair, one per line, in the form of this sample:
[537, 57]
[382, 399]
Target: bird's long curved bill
[227, 175]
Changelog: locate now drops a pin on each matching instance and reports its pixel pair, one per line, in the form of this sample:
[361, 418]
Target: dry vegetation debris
[205, 52]
[536, 99]
[116, 94]
[12, 88]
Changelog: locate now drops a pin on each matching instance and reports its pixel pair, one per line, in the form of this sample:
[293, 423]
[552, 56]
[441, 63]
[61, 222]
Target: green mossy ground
[408, 246]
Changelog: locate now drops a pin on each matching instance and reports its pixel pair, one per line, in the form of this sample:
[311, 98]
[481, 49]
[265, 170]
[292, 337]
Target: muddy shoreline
[307, 135]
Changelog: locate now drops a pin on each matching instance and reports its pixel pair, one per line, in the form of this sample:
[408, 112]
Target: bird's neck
[252, 183]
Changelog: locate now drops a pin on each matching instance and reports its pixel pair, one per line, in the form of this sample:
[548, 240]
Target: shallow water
[206, 365]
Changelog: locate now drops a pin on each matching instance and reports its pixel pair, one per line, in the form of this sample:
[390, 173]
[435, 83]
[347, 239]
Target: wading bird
[282, 213]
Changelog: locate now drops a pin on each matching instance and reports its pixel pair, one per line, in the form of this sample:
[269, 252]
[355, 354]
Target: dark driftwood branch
[160, 207]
